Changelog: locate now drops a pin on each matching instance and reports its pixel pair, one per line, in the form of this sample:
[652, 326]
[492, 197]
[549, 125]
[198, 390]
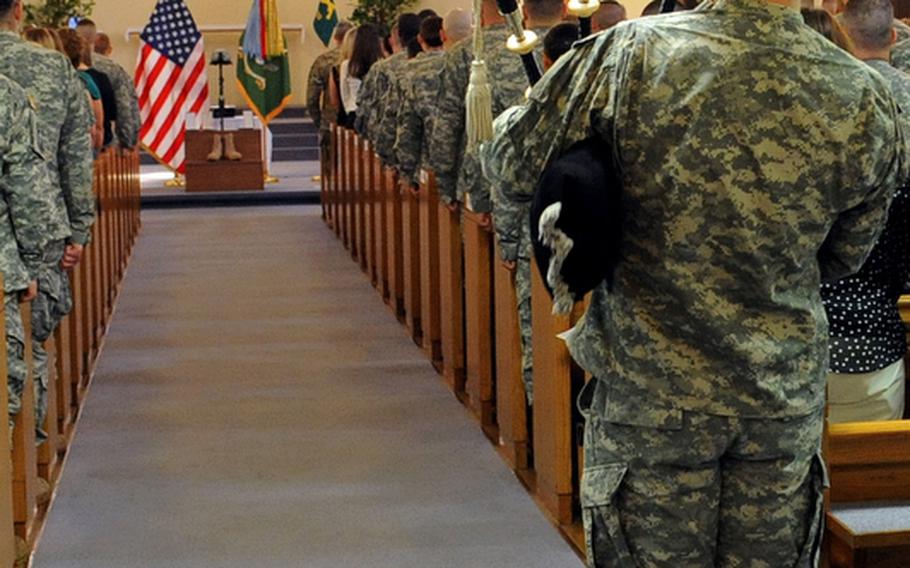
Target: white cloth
[349, 87]
[867, 397]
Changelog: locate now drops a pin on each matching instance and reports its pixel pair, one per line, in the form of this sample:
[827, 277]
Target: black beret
[576, 222]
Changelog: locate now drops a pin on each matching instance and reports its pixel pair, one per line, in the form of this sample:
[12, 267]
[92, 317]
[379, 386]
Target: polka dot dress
[866, 330]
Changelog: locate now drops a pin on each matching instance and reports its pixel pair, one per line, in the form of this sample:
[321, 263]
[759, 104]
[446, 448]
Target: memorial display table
[247, 174]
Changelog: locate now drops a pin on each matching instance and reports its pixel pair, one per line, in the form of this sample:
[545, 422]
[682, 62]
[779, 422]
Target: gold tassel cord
[479, 97]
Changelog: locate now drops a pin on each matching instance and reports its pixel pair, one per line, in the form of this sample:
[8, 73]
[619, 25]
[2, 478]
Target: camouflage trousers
[523, 297]
[17, 368]
[686, 489]
[54, 301]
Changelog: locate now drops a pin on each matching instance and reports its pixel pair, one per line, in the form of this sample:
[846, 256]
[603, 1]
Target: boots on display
[217, 149]
[230, 151]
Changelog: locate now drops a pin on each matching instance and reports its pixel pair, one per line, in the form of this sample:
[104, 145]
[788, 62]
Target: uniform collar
[758, 7]
[8, 35]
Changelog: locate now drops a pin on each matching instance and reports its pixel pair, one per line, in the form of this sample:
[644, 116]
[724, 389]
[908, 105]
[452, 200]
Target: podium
[248, 174]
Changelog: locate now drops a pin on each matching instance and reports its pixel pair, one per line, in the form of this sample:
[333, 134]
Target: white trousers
[867, 397]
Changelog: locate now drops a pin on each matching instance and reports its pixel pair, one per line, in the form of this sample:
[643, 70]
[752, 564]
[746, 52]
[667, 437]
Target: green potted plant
[56, 13]
[382, 12]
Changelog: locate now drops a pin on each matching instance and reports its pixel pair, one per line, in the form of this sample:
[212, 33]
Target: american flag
[170, 80]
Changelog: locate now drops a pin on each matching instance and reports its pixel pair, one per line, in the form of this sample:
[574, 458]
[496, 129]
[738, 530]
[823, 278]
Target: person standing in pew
[757, 160]
[372, 111]
[420, 87]
[64, 122]
[22, 225]
[457, 170]
[868, 340]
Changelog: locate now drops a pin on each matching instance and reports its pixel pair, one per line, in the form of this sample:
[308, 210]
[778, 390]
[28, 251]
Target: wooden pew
[480, 336]
[428, 204]
[25, 462]
[357, 188]
[451, 298]
[380, 227]
[7, 526]
[511, 402]
[369, 206]
[556, 459]
[395, 243]
[869, 516]
[410, 239]
[337, 175]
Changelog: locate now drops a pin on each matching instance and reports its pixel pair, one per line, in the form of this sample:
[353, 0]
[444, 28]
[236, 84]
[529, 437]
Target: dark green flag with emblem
[326, 20]
[263, 72]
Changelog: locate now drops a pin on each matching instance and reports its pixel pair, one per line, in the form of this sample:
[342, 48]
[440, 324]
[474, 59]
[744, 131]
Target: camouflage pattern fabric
[371, 98]
[700, 490]
[54, 301]
[901, 29]
[23, 176]
[384, 127]
[318, 84]
[128, 120]
[63, 132]
[419, 89]
[727, 227]
[750, 174]
[17, 369]
[900, 55]
[458, 170]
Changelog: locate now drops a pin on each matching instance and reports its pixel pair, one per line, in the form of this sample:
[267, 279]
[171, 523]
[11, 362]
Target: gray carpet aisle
[256, 405]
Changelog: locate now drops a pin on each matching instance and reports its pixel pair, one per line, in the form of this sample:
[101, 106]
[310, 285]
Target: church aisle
[256, 404]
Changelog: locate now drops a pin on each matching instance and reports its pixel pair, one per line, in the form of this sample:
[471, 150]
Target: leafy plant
[382, 12]
[56, 13]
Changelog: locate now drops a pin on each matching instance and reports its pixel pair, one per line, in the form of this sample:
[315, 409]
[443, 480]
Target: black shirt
[866, 331]
[108, 102]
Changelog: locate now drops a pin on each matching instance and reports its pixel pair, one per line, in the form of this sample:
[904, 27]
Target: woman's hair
[347, 44]
[73, 45]
[367, 50]
[40, 36]
[822, 22]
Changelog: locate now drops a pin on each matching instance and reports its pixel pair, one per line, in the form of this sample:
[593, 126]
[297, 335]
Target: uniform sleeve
[387, 120]
[366, 103]
[856, 230]
[128, 119]
[508, 215]
[448, 137]
[74, 155]
[22, 177]
[316, 84]
[409, 135]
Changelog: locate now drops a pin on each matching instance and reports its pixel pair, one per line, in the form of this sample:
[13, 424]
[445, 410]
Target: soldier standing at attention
[127, 125]
[758, 159]
[317, 99]
[22, 229]
[420, 87]
[69, 206]
[373, 96]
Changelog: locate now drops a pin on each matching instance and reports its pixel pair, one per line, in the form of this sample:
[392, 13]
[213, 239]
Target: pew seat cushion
[873, 517]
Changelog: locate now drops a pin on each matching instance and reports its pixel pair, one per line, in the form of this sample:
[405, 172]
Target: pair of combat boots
[223, 148]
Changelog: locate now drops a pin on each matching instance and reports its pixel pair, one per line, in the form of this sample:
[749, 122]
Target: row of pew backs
[73, 351]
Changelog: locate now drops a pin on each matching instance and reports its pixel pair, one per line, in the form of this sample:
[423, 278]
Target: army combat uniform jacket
[318, 84]
[419, 87]
[128, 120]
[373, 109]
[728, 230]
[63, 133]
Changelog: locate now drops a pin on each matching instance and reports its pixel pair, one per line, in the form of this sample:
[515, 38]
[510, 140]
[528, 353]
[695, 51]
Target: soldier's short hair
[869, 23]
[426, 13]
[611, 13]
[458, 24]
[408, 27]
[341, 30]
[559, 40]
[102, 43]
[430, 30]
[545, 9]
[6, 6]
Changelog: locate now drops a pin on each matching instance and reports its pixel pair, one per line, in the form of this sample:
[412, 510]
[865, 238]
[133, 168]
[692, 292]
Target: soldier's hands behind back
[29, 293]
[71, 256]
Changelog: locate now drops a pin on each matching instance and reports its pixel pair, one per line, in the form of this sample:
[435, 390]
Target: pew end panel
[410, 231]
[451, 291]
[429, 269]
[395, 242]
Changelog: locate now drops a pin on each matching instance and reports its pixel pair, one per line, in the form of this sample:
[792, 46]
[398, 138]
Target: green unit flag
[326, 20]
[265, 84]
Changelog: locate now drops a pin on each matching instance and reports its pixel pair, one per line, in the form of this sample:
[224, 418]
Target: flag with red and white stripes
[171, 80]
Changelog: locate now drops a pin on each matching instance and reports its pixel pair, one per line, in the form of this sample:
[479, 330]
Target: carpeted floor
[257, 405]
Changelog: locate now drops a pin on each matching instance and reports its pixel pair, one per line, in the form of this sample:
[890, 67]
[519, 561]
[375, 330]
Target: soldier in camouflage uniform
[378, 95]
[758, 159]
[64, 120]
[128, 121]
[457, 168]
[22, 228]
[317, 98]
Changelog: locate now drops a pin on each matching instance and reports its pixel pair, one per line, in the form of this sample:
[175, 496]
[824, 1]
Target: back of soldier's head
[544, 10]
[408, 27]
[430, 31]
[427, 13]
[824, 23]
[559, 40]
[653, 8]
[87, 29]
[610, 13]
[869, 23]
[341, 30]
[6, 8]
[457, 25]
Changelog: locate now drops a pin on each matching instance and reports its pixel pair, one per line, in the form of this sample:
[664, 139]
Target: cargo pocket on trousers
[605, 544]
[815, 523]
